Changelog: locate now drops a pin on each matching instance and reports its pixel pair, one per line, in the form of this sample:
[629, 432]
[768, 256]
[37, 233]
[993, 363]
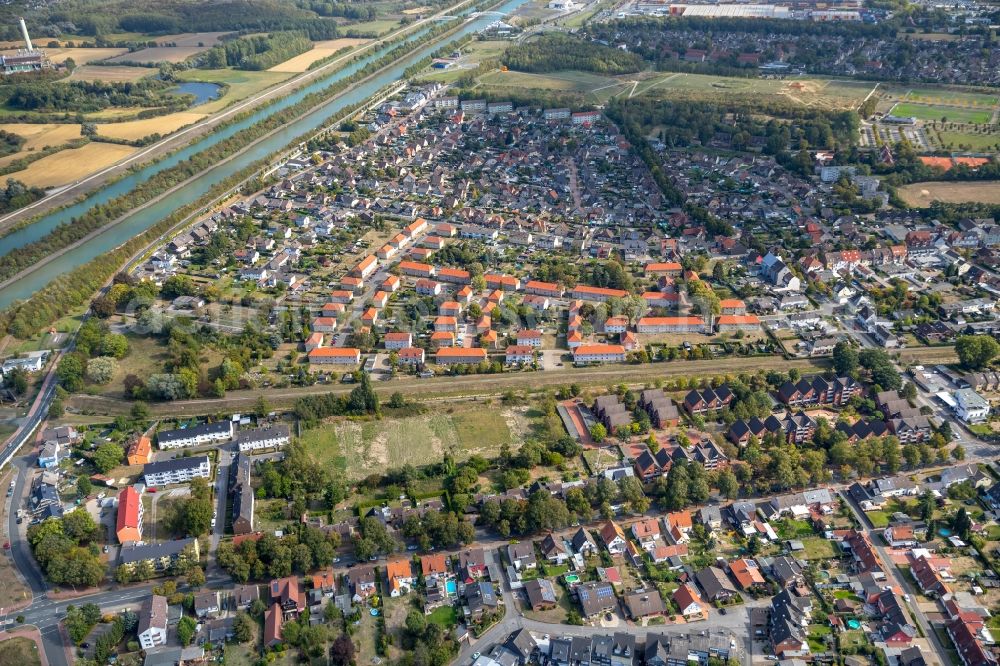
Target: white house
[205, 433]
[271, 437]
[152, 629]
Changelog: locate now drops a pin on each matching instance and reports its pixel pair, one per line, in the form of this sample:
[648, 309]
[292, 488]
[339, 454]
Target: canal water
[143, 219]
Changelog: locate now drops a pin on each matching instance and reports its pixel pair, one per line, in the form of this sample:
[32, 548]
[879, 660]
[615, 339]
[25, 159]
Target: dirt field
[320, 50]
[99, 73]
[160, 54]
[66, 166]
[137, 129]
[82, 56]
[920, 195]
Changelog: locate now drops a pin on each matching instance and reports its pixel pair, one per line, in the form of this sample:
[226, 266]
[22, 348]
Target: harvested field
[160, 54]
[416, 10]
[82, 56]
[101, 73]
[67, 166]
[920, 195]
[39, 136]
[320, 50]
[199, 39]
[138, 129]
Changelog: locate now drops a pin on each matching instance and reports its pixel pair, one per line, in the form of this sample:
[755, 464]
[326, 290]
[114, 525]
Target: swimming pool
[572, 578]
[450, 587]
[853, 624]
[944, 531]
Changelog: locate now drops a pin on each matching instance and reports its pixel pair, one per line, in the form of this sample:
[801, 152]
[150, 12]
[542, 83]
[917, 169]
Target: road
[901, 580]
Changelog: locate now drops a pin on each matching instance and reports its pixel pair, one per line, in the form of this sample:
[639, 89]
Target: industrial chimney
[24, 33]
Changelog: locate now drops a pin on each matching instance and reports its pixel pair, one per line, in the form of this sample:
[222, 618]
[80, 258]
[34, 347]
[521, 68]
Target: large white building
[270, 437]
[205, 433]
[970, 406]
[178, 470]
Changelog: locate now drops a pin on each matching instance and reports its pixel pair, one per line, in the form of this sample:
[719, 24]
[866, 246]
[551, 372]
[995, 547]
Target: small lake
[203, 92]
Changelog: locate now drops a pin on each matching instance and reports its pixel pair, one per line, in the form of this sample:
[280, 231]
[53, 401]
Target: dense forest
[91, 96]
[682, 123]
[555, 52]
[257, 52]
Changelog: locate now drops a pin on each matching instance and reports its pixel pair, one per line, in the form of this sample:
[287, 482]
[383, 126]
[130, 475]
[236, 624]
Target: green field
[953, 114]
[472, 54]
[818, 548]
[597, 89]
[951, 97]
[378, 27]
[241, 84]
[359, 448]
[968, 141]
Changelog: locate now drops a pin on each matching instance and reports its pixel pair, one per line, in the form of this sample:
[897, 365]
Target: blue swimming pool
[450, 587]
[945, 532]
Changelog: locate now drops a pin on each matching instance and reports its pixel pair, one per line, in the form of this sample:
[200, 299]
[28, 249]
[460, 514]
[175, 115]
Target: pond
[203, 92]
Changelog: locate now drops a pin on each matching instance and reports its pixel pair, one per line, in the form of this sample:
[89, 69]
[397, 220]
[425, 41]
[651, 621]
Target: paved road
[901, 580]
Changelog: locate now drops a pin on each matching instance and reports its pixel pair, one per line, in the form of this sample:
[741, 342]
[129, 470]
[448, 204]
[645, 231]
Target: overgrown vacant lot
[19, 650]
[360, 448]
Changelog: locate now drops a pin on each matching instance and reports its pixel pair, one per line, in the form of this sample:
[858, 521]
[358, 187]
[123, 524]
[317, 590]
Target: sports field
[360, 448]
[320, 50]
[67, 166]
[920, 195]
[138, 129]
[951, 114]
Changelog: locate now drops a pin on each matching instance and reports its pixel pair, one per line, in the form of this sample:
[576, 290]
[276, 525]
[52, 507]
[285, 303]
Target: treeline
[90, 96]
[17, 195]
[66, 550]
[159, 18]
[555, 52]
[362, 400]
[256, 53]
[357, 12]
[613, 30]
[684, 123]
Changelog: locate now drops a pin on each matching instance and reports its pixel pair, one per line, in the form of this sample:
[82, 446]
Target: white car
[213, 522]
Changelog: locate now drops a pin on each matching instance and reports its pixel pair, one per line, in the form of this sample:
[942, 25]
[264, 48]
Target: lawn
[968, 140]
[241, 84]
[446, 616]
[878, 518]
[19, 650]
[853, 638]
[378, 27]
[818, 548]
[950, 97]
[372, 446]
[817, 634]
[937, 112]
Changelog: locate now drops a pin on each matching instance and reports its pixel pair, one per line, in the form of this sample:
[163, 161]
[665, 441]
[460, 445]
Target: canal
[135, 224]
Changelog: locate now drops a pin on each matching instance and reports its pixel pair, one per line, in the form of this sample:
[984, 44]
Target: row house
[708, 400]
[795, 428]
[662, 410]
[538, 288]
[599, 353]
[737, 323]
[598, 294]
[654, 325]
[818, 392]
